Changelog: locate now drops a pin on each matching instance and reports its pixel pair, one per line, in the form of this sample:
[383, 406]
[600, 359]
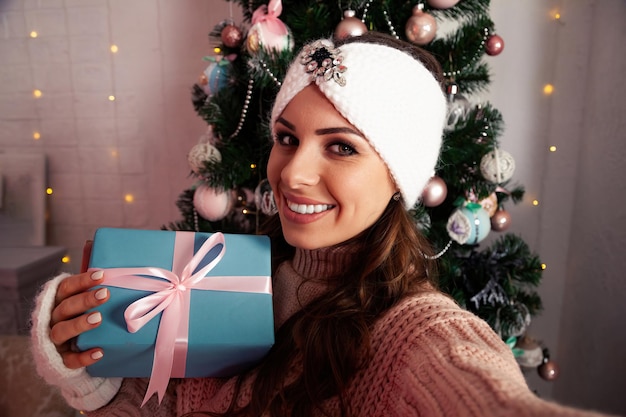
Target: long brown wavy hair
[331, 336]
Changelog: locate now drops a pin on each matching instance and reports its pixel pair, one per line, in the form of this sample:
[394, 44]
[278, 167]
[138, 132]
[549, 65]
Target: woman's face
[328, 181]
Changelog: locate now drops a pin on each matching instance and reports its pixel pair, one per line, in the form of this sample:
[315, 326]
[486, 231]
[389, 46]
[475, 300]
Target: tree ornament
[529, 353]
[268, 31]
[264, 198]
[211, 203]
[494, 45]
[201, 153]
[500, 221]
[468, 225]
[350, 26]
[497, 166]
[458, 106]
[548, 369]
[216, 75]
[421, 27]
[435, 192]
[231, 36]
[490, 204]
[442, 4]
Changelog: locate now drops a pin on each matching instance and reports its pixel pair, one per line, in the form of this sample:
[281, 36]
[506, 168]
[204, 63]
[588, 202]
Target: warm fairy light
[37, 93]
[129, 198]
[111, 98]
[552, 148]
[66, 259]
[544, 266]
[49, 191]
[535, 202]
[252, 166]
[244, 211]
[557, 16]
[114, 49]
[36, 135]
[217, 50]
[548, 89]
[114, 153]
[34, 34]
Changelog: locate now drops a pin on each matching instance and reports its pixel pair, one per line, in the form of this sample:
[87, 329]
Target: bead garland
[244, 111]
[441, 252]
[270, 73]
[473, 59]
[392, 29]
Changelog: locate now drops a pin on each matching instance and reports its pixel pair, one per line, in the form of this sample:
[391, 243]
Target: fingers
[75, 360]
[76, 284]
[74, 297]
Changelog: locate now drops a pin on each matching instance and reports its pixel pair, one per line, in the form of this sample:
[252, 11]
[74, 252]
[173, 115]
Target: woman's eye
[285, 139]
[342, 149]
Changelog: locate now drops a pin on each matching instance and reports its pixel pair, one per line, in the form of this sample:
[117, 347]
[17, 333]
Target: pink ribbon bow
[172, 297]
[269, 14]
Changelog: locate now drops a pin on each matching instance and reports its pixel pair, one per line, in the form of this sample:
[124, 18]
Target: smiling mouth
[308, 208]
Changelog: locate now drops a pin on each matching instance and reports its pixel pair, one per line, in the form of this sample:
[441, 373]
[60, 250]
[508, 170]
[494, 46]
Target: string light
[36, 135]
[129, 198]
[535, 202]
[252, 166]
[49, 191]
[114, 49]
[111, 98]
[544, 266]
[114, 153]
[34, 34]
[548, 89]
[66, 259]
[37, 93]
[217, 50]
[552, 148]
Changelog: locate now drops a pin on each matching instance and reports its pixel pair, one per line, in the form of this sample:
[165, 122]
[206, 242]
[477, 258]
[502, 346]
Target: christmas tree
[462, 204]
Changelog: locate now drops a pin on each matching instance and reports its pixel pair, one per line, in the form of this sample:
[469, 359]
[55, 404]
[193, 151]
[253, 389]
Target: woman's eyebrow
[286, 123]
[331, 130]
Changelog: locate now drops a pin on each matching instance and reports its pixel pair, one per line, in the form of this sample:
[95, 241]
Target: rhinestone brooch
[323, 63]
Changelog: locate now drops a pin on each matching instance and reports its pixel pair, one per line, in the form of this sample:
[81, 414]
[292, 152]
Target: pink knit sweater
[430, 358]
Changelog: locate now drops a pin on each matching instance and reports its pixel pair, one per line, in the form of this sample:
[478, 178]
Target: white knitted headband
[386, 94]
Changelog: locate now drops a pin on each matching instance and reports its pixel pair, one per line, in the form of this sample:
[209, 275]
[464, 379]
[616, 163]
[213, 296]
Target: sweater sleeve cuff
[79, 389]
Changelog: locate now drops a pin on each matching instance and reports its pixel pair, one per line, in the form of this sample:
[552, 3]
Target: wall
[99, 151]
[579, 227]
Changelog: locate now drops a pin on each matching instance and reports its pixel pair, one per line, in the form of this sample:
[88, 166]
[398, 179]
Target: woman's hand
[72, 300]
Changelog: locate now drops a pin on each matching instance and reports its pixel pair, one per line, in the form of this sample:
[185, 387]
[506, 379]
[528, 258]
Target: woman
[361, 327]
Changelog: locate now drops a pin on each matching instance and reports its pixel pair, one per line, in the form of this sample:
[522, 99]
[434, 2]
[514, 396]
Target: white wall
[579, 228]
[99, 151]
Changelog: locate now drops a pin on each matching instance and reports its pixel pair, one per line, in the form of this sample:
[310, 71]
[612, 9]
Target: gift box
[190, 304]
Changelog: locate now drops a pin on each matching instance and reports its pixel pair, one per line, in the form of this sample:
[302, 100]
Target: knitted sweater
[430, 358]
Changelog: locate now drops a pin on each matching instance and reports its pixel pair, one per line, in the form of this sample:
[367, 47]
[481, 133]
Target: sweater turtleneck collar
[324, 262]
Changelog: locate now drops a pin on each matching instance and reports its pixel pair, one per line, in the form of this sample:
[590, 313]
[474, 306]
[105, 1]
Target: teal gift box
[214, 290]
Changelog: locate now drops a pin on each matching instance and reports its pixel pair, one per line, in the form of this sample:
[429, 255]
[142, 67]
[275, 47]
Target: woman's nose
[302, 168]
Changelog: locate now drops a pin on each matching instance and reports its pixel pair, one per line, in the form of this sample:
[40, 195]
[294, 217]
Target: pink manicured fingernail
[101, 294]
[94, 318]
[97, 275]
[96, 355]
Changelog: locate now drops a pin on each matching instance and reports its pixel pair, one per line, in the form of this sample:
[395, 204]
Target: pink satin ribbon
[269, 14]
[172, 297]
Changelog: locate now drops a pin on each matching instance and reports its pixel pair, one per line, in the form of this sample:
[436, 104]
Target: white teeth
[308, 208]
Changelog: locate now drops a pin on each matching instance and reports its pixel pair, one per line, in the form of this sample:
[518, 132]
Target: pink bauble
[421, 27]
[442, 4]
[494, 45]
[500, 221]
[211, 203]
[435, 192]
[231, 36]
[262, 35]
[350, 26]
